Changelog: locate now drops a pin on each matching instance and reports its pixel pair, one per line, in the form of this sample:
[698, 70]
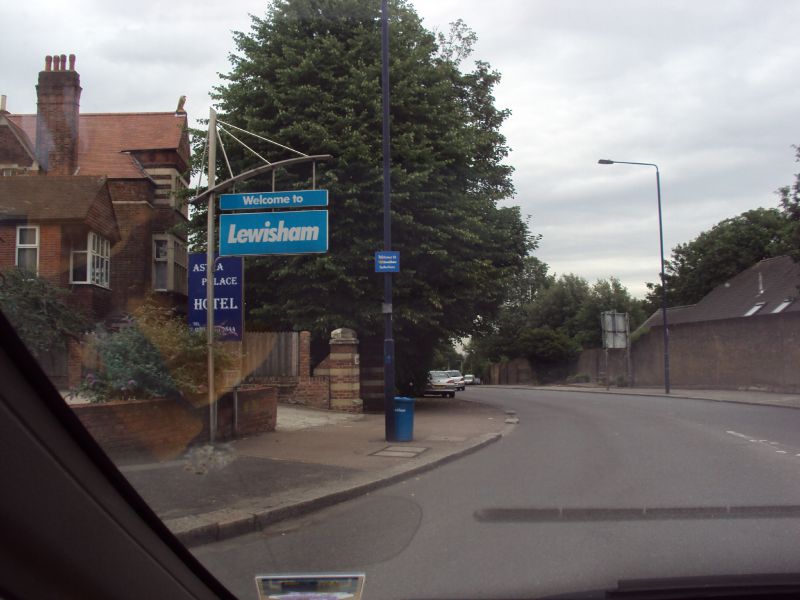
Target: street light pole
[388, 340]
[605, 161]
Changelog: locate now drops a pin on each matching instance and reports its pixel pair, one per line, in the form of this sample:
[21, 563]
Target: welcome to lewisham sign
[304, 232]
[262, 200]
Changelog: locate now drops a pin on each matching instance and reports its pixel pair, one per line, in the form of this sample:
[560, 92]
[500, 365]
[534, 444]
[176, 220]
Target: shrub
[155, 355]
[39, 311]
[579, 378]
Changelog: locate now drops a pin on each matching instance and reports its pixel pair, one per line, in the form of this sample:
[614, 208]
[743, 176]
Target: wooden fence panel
[271, 354]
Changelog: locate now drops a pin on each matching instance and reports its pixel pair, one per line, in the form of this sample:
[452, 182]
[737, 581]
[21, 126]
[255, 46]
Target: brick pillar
[344, 371]
[372, 374]
[74, 363]
[304, 368]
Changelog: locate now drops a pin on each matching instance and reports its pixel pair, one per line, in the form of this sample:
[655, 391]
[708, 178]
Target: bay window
[90, 261]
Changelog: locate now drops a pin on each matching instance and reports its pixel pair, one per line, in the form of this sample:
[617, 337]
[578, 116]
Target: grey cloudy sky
[704, 89]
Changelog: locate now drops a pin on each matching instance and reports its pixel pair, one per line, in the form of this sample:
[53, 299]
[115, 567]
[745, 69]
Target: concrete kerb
[683, 395]
[224, 524]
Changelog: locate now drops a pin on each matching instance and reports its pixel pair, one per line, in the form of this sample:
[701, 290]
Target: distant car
[458, 378]
[469, 379]
[440, 384]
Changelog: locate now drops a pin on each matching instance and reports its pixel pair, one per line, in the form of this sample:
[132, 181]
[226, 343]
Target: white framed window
[170, 260]
[90, 261]
[27, 252]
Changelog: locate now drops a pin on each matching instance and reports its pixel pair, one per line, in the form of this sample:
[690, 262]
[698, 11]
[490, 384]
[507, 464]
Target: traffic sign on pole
[387, 261]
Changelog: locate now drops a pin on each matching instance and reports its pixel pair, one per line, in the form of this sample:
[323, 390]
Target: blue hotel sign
[264, 200]
[247, 234]
[228, 289]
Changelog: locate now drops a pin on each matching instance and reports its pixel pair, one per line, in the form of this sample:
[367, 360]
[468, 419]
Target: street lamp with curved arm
[606, 161]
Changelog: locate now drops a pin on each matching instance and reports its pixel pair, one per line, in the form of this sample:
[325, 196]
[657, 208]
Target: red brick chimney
[58, 95]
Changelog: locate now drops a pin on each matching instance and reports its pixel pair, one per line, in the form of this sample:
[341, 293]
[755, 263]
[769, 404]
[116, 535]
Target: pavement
[314, 459]
[318, 458]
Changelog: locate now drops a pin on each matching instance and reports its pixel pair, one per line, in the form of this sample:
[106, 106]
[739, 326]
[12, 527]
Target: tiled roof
[105, 139]
[40, 199]
[20, 134]
[769, 283]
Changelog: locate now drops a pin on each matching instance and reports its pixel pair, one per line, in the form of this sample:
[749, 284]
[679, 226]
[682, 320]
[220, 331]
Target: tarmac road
[710, 488]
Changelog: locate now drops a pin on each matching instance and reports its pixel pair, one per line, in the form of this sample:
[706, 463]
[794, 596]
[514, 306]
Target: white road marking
[753, 440]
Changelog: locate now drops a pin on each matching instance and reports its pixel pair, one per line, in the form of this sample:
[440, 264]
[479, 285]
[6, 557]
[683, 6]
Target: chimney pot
[56, 62]
[71, 62]
[3, 103]
[48, 63]
[63, 62]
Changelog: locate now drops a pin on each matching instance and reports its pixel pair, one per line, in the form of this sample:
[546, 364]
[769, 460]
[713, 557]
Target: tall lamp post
[388, 339]
[605, 161]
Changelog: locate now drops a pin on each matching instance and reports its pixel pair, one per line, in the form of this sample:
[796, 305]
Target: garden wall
[163, 429]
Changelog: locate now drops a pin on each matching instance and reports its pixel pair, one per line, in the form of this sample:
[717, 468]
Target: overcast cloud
[705, 90]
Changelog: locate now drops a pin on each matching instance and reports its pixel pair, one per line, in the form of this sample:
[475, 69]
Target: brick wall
[132, 256]
[153, 429]
[164, 429]
[512, 372]
[759, 352]
[257, 412]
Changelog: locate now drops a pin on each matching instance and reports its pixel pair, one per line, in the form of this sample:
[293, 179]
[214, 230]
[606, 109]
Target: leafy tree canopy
[550, 322]
[790, 207]
[716, 255]
[308, 74]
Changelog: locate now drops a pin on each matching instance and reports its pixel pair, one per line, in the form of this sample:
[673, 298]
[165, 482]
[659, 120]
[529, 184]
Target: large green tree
[790, 206]
[308, 75]
[716, 255]
[549, 320]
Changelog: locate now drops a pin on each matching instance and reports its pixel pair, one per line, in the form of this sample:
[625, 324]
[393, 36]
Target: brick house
[92, 201]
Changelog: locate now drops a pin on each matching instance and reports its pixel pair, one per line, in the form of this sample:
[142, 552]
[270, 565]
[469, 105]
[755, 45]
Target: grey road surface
[707, 488]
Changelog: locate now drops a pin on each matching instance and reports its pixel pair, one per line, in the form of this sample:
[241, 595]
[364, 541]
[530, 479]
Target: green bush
[579, 378]
[155, 356]
[39, 311]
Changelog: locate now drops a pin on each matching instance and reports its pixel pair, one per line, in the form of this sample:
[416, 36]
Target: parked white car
[458, 378]
[440, 384]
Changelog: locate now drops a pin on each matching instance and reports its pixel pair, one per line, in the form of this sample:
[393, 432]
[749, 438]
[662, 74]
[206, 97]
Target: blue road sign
[262, 200]
[228, 288]
[247, 234]
[387, 261]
